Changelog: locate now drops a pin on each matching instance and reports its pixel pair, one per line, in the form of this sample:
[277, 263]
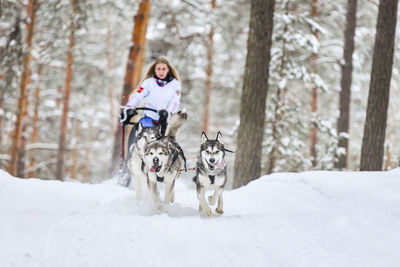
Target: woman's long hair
[172, 71]
[151, 72]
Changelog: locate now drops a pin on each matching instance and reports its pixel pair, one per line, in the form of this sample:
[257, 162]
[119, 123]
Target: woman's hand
[127, 114]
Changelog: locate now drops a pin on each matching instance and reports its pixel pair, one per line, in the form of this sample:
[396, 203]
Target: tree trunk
[136, 51]
[75, 161]
[314, 93]
[378, 100]
[133, 69]
[209, 73]
[254, 95]
[388, 162]
[274, 155]
[2, 111]
[345, 83]
[86, 165]
[1, 117]
[59, 97]
[35, 130]
[68, 79]
[111, 91]
[16, 143]
[278, 112]
[22, 148]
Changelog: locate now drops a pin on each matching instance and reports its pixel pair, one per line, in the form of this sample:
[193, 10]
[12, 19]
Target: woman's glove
[163, 115]
[163, 121]
[127, 114]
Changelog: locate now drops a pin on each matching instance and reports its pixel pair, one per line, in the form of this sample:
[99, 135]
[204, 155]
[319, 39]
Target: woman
[161, 89]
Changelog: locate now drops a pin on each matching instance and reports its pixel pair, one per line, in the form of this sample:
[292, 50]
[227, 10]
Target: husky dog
[137, 168]
[211, 173]
[164, 161]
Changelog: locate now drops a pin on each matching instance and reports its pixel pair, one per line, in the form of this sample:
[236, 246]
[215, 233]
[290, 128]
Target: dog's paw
[211, 200]
[158, 206]
[207, 211]
[219, 211]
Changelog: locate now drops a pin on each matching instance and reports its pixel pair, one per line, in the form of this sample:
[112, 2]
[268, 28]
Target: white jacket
[157, 97]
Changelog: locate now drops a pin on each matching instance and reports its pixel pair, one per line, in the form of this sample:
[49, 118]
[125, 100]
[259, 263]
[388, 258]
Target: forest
[292, 86]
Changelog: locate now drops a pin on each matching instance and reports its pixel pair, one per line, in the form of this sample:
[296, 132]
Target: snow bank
[285, 219]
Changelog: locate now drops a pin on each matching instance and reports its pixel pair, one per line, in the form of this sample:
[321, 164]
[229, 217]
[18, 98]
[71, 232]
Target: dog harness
[178, 151]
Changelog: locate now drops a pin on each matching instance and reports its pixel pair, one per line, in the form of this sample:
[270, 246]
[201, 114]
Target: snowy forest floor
[285, 219]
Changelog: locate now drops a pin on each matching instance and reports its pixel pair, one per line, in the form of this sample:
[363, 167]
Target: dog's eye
[151, 153]
[208, 152]
[161, 153]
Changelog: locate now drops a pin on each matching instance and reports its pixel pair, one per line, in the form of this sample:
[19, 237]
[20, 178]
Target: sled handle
[122, 119]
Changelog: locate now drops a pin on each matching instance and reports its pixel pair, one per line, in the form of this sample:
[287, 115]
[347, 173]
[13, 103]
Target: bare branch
[376, 3]
[176, 25]
[41, 165]
[190, 3]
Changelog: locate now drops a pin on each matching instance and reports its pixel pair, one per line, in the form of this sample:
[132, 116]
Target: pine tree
[288, 122]
[133, 69]
[25, 77]
[378, 99]
[345, 84]
[209, 73]
[66, 98]
[254, 95]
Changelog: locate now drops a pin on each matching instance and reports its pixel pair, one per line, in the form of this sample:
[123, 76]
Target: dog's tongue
[155, 168]
[220, 165]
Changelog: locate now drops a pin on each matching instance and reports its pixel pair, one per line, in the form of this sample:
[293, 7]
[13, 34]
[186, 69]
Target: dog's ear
[203, 137]
[139, 127]
[219, 137]
[146, 139]
[156, 131]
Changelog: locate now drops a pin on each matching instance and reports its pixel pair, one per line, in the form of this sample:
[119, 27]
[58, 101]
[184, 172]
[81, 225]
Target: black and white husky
[138, 170]
[211, 173]
[164, 161]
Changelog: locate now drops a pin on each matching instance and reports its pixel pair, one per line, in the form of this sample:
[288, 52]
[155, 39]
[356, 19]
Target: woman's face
[161, 70]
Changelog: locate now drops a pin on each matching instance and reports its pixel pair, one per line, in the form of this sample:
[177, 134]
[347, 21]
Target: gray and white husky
[164, 161]
[211, 173]
[138, 170]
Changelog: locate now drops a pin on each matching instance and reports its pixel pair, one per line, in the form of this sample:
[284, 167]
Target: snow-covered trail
[306, 219]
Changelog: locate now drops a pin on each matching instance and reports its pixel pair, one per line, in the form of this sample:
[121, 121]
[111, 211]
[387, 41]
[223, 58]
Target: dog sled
[130, 131]
[152, 158]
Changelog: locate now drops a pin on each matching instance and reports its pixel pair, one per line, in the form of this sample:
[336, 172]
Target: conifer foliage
[248, 69]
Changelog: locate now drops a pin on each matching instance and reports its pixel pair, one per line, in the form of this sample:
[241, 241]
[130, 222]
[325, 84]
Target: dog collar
[212, 178]
[159, 179]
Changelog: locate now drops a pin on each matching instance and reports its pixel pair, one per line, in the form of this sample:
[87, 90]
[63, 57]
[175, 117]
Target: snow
[284, 219]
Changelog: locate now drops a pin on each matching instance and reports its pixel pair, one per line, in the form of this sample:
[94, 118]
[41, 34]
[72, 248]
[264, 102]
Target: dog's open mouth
[211, 166]
[218, 164]
[155, 168]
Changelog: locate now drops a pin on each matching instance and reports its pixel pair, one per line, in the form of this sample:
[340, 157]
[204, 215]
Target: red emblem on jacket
[140, 89]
